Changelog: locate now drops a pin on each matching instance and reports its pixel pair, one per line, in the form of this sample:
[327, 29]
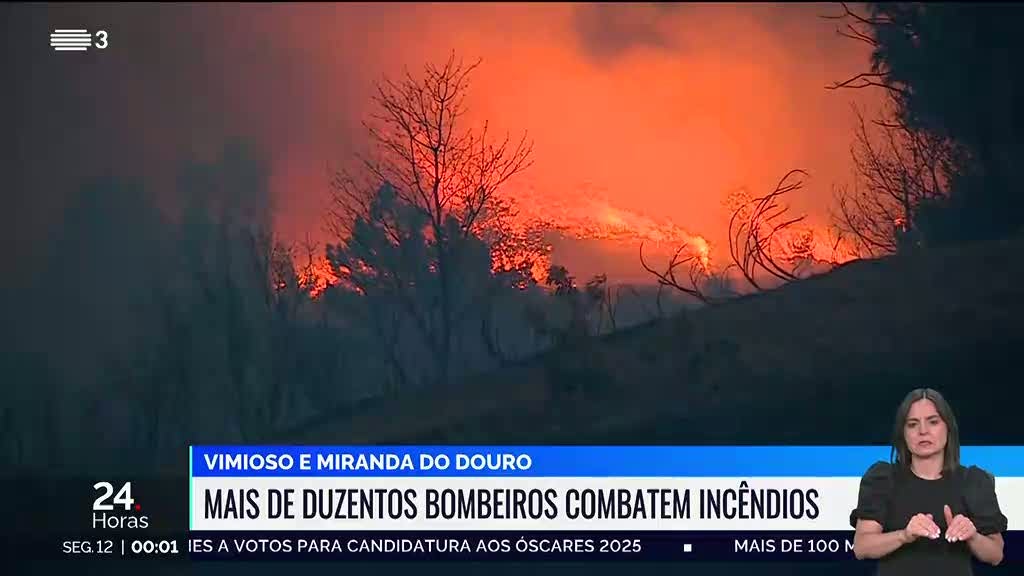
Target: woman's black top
[891, 495]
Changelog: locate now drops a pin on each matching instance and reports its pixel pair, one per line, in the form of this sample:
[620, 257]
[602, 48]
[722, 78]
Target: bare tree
[861, 27]
[759, 235]
[450, 174]
[897, 170]
[765, 243]
[696, 274]
[611, 304]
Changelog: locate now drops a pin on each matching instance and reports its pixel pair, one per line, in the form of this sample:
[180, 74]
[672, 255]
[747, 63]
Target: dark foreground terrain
[822, 361]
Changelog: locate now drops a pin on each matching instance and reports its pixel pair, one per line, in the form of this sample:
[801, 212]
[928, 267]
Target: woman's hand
[920, 526]
[959, 528]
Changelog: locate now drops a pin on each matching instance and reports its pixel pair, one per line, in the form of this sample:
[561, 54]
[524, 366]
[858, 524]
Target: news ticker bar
[538, 546]
[471, 546]
[151, 517]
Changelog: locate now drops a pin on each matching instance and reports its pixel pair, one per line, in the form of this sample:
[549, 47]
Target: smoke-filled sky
[642, 116]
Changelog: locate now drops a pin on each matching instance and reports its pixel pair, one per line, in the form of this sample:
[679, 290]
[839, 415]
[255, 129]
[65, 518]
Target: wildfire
[588, 214]
[800, 243]
[703, 251]
[318, 276]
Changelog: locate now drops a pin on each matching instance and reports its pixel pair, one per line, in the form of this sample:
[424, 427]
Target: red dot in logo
[138, 506]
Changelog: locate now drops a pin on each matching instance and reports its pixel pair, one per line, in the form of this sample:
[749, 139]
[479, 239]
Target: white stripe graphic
[70, 40]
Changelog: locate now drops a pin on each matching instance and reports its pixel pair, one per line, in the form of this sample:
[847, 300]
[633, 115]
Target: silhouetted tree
[228, 258]
[696, 273]
[441, 180]
[147, 332]
[952, 69]
[899, 172]
[759, 244]
[765, 245]
[571, 314]
[388, 263]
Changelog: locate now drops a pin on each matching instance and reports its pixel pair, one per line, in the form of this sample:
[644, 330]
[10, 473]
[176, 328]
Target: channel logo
[76, 40]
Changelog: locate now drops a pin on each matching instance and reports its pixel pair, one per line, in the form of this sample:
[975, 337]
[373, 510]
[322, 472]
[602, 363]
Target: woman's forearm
[878, 545]
[988, 549]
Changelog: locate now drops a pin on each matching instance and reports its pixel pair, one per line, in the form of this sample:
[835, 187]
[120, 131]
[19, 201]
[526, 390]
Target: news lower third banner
[545, 502]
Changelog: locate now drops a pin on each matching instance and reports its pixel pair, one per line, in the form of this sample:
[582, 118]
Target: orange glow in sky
[643, 117]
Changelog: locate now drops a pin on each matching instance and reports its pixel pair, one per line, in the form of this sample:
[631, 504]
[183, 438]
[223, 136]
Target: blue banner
[575, 461]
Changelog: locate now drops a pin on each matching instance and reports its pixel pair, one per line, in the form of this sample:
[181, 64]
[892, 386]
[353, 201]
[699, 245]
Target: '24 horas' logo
[103, 507]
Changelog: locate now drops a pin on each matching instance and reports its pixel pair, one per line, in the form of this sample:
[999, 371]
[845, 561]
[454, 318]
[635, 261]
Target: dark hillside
[823, 361]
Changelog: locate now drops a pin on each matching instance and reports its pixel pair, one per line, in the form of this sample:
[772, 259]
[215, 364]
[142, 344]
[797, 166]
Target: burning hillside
[521, 236]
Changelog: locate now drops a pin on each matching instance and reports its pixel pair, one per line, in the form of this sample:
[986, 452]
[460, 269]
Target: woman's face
[925, 431]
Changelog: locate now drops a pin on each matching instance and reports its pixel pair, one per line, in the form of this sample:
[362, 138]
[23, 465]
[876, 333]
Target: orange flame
[588, 214]
[318, 277]
[800, 243]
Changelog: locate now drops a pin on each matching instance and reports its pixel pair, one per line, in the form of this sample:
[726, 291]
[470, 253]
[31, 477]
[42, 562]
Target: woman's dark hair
[901, 452]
